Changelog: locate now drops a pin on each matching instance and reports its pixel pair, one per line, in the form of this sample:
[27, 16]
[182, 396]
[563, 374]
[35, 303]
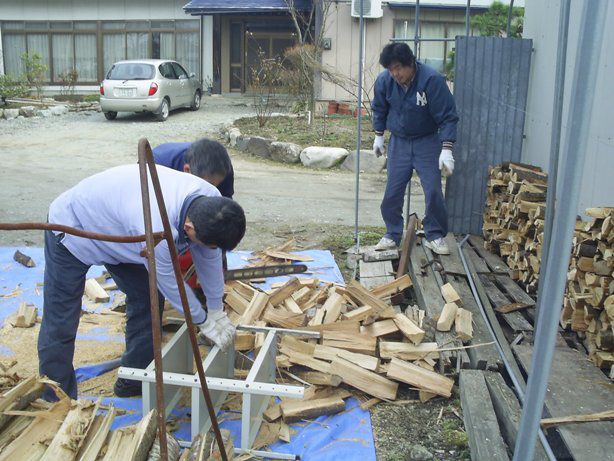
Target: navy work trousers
[405, 156]
[63, 290]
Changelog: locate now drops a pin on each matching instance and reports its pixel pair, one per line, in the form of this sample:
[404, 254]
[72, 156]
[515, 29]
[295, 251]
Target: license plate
[125, 92]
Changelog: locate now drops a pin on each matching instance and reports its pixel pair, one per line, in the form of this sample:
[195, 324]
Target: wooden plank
[317, 378]
[297, 410]
[287, 256]
[576, 386]
[330, 353]
[95, 292]
[375, 269]
[494, 262]
[577, 419]
[409, 329]
[480, 419]
[478, 263]
[514, 319]
[408, 351]
[514, 291]
[447, 316]
[452, 263]
[381, 328]
[308, 361]
[364, 380]
[255, 309]
[508, 412]
[419, 377]
[407, 245]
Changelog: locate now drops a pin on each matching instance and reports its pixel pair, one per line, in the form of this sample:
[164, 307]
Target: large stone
[43, 113]
[369, 162]
[233, 135]
[241, 142]
[259, 146]
[58, 110]
[419, 453]
[285, 152]
[323, 157]
[1, 113]
[27, 111]
[10, 114]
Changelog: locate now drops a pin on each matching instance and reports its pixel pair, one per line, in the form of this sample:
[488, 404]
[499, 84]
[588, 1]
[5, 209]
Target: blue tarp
[345, 436]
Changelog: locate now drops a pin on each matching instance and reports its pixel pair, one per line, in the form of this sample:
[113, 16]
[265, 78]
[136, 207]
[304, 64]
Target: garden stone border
[47, 109]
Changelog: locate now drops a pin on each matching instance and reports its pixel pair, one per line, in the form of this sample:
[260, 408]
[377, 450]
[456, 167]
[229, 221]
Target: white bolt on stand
[257, 388]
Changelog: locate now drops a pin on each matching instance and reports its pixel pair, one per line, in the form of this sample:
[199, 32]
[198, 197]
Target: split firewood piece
[284, 432]
[259, 337]
[95, 292]
[23, 259]
[243, 289]
[419, 377]
[330, 353]
[298, 410]
[447, 317]
[364, 297]
[96, 436]
[449, 294]
[317, 378]
[392, 288]
[464, 324]
[354, 342]
[291, 305]
[407, 351]
[332, 308]
[360, 314]
[272, 413]
[409, 329]
[425, 396]
[236, 302]
[381, 328]
[244, 341]
[287, 256]
[364, 380]
[19, 397]
[26, 316]
[254, 309]
[309, 362]
[284, 292]
[282, 318]
[209, 449]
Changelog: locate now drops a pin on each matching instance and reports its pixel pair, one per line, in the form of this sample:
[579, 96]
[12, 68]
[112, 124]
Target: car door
[171, 84]
[183, 84]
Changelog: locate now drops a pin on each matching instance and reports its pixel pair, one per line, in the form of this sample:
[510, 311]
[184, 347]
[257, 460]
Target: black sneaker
[127, 388]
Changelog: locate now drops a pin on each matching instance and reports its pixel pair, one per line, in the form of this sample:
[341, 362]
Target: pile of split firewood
[513, 228]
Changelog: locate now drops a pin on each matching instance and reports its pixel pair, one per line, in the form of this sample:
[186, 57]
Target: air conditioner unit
[370, 8]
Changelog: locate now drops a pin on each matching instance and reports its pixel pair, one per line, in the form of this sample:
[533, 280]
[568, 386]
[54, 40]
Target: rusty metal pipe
[80, 232]
[155, 312]
[145, 154]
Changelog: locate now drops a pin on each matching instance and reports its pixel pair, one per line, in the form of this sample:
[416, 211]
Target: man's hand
[218, 329]
[378, 146]
[446, 162]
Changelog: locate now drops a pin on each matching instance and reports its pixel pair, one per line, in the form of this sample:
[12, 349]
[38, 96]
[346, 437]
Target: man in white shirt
[110, 202]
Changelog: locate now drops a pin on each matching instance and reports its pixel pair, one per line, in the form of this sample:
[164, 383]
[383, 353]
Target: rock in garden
[285, 152]
[43, 113]
[1, 113]
[419, 453]
[59, 110]
[259, 146]
[27, 111]
[233, 135]
[323, 157]
[10, 114]
[369, 162]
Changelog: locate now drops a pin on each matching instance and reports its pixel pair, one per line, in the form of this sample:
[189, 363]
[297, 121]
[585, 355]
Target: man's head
[215, 222]
[399, 60]
[207, 159]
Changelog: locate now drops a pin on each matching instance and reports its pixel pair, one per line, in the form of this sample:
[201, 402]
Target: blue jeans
[405, 156]
[63, 290]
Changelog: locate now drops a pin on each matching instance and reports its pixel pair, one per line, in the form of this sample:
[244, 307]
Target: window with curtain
[86, 61]
[13, 46]
[137, 45]
[39, 44]
[113, 50]
[187, 50]
[432, 53]
[63, 55]
[167, 45]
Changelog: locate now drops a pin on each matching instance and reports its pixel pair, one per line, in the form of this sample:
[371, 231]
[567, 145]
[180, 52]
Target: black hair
[207, 158]
[397, 52]
[218, 221]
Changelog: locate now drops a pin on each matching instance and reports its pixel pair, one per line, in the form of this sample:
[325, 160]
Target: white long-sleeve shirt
[110, 202]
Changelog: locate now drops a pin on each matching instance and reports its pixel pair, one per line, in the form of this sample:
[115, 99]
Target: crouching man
[110, 202]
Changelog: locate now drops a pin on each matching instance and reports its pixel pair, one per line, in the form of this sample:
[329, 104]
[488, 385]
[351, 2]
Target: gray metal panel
[490, 89]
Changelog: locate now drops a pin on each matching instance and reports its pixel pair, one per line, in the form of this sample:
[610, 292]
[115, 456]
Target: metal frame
[256, 389]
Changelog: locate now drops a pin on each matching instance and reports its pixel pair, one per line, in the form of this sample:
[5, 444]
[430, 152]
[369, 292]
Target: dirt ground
[40, 158]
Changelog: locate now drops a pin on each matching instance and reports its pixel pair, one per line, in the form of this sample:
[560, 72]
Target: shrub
[11, 87]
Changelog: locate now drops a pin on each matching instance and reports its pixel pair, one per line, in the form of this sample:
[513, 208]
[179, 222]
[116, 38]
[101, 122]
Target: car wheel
[110, 115]
[162, 114]
[196, 101]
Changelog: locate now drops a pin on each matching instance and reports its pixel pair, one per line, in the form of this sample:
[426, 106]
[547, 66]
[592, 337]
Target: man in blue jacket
[413, 102]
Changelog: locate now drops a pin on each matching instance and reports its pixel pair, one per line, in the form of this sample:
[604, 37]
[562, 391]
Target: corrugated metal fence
[490, 88]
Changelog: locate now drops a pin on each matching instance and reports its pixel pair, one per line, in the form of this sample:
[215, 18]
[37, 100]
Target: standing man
[413, 102]
[110, 202]
[206, 159]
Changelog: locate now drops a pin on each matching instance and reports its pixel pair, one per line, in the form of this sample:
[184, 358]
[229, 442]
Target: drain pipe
[516, 383]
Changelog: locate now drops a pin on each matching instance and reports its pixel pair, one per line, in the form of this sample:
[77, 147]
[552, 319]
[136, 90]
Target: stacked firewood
[514, 219]
[513, 228]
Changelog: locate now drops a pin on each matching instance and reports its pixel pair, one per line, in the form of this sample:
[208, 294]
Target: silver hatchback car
[148, 85]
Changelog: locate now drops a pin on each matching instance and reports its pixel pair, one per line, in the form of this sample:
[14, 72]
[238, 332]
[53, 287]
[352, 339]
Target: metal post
[467, 17]
[555, 140]
[145, 155]
[572, 168]
[361, 27]
[155, 309]
[509, 19]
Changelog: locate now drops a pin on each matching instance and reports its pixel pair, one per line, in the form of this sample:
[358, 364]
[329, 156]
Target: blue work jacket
[427, 107]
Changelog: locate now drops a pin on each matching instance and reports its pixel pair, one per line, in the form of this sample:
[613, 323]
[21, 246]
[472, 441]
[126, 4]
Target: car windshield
[131, 71]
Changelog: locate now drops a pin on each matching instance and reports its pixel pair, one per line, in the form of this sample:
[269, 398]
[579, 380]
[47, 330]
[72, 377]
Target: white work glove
[378, 146]
[218, 329]
[446, 162]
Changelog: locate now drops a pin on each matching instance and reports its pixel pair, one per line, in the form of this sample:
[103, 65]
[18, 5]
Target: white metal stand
[257, 389]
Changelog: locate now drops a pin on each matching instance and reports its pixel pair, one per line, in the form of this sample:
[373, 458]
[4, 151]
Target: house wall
[597, 185]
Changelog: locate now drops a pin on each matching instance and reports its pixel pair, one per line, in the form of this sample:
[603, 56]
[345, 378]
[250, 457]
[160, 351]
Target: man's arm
[208, 264]
[167, 284]
[443, 110]
[379, 106]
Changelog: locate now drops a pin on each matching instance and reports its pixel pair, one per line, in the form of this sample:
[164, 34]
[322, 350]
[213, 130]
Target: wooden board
[481, 424]
[494, 262]
[452, 263]
[296, 410]
[480, 265]
[576, 386]
[364, 380]
[515, 319]
[375, 273]
[514, 291]
[423, 379]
